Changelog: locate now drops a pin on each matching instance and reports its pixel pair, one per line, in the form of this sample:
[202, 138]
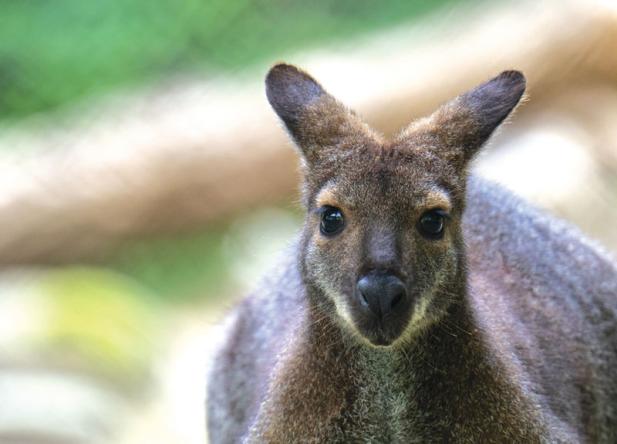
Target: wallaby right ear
[464, 124]
[314, 118]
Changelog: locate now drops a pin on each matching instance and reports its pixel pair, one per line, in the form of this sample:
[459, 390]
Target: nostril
[395, 301]
[396, 293]
[363, 299]
[368, 294]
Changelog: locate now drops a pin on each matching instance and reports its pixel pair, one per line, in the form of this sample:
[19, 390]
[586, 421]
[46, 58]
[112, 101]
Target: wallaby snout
[383, 295]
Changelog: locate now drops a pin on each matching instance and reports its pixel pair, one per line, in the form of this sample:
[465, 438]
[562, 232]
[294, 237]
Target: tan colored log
[178, 159]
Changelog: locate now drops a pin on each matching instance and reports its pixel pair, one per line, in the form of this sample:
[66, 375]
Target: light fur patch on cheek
[319, 271]
[342, 309]
[420, 318]
[419, 312]
[340, 304]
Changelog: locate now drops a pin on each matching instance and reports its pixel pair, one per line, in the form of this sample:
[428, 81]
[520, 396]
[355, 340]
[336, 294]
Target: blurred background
[145, 184]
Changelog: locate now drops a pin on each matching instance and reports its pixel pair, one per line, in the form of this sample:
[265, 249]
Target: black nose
[381, 293]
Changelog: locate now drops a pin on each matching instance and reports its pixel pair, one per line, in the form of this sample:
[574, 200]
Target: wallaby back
[508, 327]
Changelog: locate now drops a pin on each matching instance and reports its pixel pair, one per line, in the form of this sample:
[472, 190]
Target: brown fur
[512, 336]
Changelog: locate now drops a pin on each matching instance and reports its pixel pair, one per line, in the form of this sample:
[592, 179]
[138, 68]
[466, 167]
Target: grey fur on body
[525, 350]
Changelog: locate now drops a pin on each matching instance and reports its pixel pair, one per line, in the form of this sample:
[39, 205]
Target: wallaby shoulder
[546, 298]
[254, 335]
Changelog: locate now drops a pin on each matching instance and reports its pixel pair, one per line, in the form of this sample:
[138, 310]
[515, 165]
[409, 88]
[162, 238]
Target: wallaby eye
[432, 223]
[332, 221]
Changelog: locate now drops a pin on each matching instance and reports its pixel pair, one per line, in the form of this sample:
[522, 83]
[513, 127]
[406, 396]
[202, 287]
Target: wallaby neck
[434, 387]
[441, 376]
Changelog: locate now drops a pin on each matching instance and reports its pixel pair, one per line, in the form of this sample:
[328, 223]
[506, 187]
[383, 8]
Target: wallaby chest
[382, 405]
[408, 396]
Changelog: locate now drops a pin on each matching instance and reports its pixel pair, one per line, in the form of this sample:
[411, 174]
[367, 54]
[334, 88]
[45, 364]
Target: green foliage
[100, 320]
[209, 265]
[54, 52]
[176, 268]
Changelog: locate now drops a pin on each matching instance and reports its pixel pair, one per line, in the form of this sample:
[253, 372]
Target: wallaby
[419, 304]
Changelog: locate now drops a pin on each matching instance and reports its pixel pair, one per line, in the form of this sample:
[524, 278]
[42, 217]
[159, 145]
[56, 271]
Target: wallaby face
[382, 237]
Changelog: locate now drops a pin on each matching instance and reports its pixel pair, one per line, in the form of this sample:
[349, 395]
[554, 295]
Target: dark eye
[332, 221]
[432, 223]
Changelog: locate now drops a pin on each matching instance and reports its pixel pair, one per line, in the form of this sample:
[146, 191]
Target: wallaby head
[382, 242]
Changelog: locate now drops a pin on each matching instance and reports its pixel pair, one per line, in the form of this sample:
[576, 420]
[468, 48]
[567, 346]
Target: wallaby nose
[381, 293]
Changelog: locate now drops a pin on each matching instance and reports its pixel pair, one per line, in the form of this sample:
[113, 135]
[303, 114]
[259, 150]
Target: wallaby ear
[314, 118]
[464, 124]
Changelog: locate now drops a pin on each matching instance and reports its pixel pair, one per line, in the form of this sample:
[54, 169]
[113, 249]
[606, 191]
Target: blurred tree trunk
[178, 160]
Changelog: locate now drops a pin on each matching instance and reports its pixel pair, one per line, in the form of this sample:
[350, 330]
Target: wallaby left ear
[464, 124]
[315, 120]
